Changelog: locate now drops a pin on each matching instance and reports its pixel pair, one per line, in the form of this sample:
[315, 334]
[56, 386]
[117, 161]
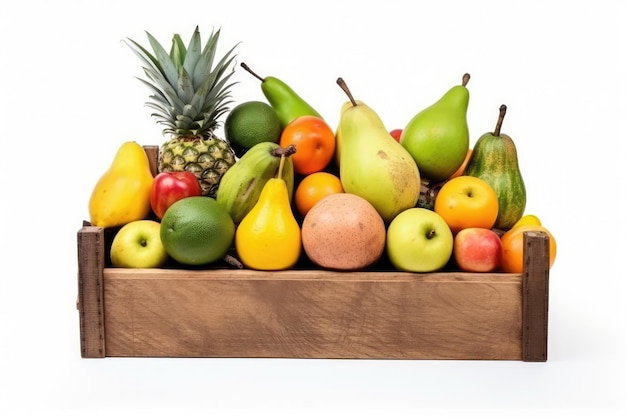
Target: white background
[70, 97]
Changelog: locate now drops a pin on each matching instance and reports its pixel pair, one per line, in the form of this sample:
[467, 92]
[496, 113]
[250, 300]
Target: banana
[242, 183]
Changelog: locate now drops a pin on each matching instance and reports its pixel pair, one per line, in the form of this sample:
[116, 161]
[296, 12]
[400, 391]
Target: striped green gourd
[494, 159]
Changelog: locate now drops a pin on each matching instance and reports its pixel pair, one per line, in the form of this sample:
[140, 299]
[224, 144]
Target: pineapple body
[208, 158]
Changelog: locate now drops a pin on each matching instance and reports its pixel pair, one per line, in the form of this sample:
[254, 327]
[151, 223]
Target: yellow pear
[372, 164]
[528, 220]
[122, 194]
[269, 237]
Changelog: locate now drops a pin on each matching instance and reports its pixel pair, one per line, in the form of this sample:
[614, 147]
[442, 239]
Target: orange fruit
[313, 188]
[467, 201]
[314, 141]
[513, 247]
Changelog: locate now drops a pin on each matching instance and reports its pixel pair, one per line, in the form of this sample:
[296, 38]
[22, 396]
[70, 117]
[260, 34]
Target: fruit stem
[231, 260]
[288, 151]
[496, 132]
[247, 68]
[431, 233]
[345, 88]
[466, 78]
[280, 166]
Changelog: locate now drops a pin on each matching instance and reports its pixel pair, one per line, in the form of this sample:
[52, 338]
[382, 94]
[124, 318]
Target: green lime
[197, 230]
[250, 123]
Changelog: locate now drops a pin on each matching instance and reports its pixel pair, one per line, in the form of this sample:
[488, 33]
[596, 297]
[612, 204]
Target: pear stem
[466, 78]
[496, 131]
[280, 166]
[289, 150]
[247, 68]
[345, 88]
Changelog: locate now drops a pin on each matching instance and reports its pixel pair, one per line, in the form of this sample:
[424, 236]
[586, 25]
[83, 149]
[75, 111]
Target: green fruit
[241, 186]
[197, 230]
[372, 164]
[251, 123]
[494, 159]
[287, 103]
[438, 136]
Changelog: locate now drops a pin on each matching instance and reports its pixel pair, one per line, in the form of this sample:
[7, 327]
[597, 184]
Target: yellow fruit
[250, 123]
[269, 237]
[197, 230]
[528, 220]
[122, 194]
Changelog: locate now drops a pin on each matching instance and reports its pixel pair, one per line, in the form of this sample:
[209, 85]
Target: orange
[314, 141]
[513, 247]
[467, 201]
[313, 188]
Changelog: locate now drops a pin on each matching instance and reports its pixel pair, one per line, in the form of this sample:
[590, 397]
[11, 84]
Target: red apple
[396, 133]
[169, 187]
[477, 250]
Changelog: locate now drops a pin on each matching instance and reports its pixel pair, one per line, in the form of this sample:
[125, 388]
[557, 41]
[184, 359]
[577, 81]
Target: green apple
[138, 245]
[419, 240]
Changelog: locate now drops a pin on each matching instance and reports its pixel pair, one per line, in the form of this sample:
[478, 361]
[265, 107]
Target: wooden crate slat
[294, 314]
[90, 304]
[535, 297]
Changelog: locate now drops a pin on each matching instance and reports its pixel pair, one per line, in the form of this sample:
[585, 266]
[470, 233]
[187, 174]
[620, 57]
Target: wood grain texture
[90, 303]
[535, 286]
[312, 314]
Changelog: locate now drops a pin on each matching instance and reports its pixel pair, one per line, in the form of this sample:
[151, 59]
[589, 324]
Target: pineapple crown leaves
[190, 93]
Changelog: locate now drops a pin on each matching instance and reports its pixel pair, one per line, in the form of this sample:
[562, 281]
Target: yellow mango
[122, 194]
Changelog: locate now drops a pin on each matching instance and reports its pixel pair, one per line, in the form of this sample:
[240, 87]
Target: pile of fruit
[285, 189]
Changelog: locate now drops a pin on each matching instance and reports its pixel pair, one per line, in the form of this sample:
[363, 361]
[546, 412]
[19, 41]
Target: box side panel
[535, 297]
[90, 305]
[313, 318]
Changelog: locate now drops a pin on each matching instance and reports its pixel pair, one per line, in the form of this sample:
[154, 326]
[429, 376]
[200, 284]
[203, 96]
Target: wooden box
[310, 313]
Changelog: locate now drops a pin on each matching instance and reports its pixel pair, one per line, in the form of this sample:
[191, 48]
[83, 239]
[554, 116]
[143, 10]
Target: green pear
[438, 136]
[494, 160]
[287, 103]
[372, 164]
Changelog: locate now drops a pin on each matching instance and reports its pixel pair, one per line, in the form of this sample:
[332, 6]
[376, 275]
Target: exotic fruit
[438, 136]
[343, 232]
[190, 95]
[372, 164]
[494, 159]
[122, 194]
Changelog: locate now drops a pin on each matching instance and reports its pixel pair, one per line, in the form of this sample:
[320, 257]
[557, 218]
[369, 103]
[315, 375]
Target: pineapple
[190, 94]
